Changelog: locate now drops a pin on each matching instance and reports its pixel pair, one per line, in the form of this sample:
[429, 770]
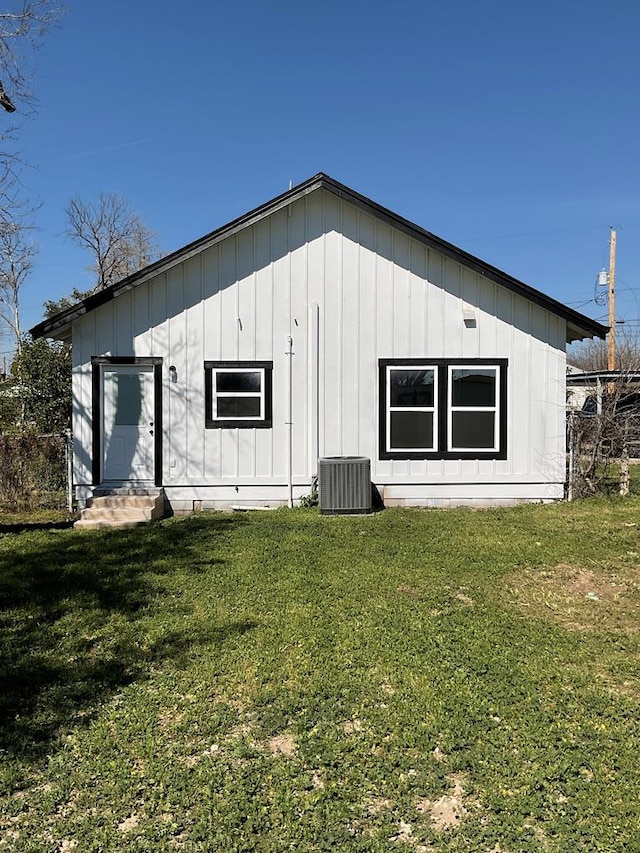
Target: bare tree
[116, 237]
[16, 260]
[605, 434]
[592, 355]
[21, 30]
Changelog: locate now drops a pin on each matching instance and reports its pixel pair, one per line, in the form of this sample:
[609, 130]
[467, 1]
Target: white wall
[380, 294]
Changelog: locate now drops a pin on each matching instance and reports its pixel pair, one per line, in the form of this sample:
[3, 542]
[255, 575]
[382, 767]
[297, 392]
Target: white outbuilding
[320, 325]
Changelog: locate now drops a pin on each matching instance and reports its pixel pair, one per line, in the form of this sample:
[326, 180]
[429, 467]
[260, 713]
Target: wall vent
[344, 485]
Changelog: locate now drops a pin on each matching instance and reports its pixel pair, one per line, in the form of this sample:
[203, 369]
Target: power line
[580, 304]
[537, 233]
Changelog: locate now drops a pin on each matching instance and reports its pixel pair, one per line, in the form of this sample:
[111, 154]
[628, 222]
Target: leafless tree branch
[16, 260]
[23, 24]
[21, 32]
[593, 355]
[117, 239]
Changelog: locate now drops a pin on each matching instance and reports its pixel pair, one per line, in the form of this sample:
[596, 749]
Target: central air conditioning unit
[344, 485]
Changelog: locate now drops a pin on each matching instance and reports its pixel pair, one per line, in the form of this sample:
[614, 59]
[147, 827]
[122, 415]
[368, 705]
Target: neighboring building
[577, 391]
[321, 324]
[587, 389]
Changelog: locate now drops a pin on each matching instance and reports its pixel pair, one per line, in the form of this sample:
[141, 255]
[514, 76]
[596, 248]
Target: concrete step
[120, 501]
[127, 491]
[119, 509]
[95, 523]
[119, 514]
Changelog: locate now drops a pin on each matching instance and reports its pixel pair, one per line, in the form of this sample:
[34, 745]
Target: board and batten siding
[349, 289]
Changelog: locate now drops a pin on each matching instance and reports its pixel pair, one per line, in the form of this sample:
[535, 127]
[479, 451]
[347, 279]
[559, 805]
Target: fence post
[624, 462]
[69, 458]
[571, 442]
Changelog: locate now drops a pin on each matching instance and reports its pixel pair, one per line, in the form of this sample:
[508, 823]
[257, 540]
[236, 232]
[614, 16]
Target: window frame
[211, 370]
[389, 408]
[443, 408]
[451, 408]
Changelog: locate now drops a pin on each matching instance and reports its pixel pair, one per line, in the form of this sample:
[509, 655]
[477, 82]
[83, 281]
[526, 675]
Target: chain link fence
[603, 450]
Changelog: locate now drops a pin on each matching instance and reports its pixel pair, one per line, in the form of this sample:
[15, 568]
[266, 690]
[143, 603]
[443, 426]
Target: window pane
[238, 407]
[128, 399]
[411, 387]
[411, 430]
[241, 381]
[473, 387]
[473, 429]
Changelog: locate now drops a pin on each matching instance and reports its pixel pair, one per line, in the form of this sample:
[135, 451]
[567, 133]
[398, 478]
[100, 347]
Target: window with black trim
[237, 394]
[443, 409]
[412, 394]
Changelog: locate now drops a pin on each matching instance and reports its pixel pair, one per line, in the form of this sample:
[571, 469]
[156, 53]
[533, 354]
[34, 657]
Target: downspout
[68, 447]
[290, 422]
[313, 360]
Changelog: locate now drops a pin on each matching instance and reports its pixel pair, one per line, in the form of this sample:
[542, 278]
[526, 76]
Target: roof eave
[579, 326]
[50, 326]
[579, 331]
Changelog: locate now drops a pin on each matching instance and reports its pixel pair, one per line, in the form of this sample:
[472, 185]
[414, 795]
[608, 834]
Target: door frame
[97, 365]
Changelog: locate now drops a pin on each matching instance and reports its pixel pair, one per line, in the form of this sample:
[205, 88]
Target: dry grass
[602, 597]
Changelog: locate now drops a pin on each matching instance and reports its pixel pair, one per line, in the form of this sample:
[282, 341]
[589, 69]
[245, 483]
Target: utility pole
[612, 295]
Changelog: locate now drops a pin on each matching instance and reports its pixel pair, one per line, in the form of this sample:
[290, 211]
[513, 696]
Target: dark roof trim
[603, 376]
[578, 325]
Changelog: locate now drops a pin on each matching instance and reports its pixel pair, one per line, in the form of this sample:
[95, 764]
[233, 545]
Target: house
[576, 393]
[587, 388]
[320, 324]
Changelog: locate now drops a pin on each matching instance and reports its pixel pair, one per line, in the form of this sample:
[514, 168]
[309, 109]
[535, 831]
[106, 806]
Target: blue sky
[509, 129]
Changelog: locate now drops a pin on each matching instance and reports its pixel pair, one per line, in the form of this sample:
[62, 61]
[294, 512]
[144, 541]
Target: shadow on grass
[74, 614]
[30, 527]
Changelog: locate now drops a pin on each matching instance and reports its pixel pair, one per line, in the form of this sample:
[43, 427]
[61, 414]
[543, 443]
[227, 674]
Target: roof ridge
[583, 325]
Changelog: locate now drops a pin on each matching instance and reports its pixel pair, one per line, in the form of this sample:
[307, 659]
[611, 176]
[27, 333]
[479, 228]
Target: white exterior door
[127, 430]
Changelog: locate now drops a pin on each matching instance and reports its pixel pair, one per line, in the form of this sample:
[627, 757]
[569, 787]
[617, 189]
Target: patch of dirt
[171, 717]
[579, 581]
[243, 729]
[129, 823]
[411, 591]
[463, 596]
[283, 744]
[316, 781]
[405, 836]
[618, 686]
[581, 598]
[350, 727]
[376, 805]
[448, 810]
[237, 704]
[179, 841]
[71, 805]
[405, 833]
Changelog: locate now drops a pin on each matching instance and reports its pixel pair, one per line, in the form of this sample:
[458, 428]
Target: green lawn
[410, 681]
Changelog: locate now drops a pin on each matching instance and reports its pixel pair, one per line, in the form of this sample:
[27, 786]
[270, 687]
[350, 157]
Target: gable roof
[579, 326]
